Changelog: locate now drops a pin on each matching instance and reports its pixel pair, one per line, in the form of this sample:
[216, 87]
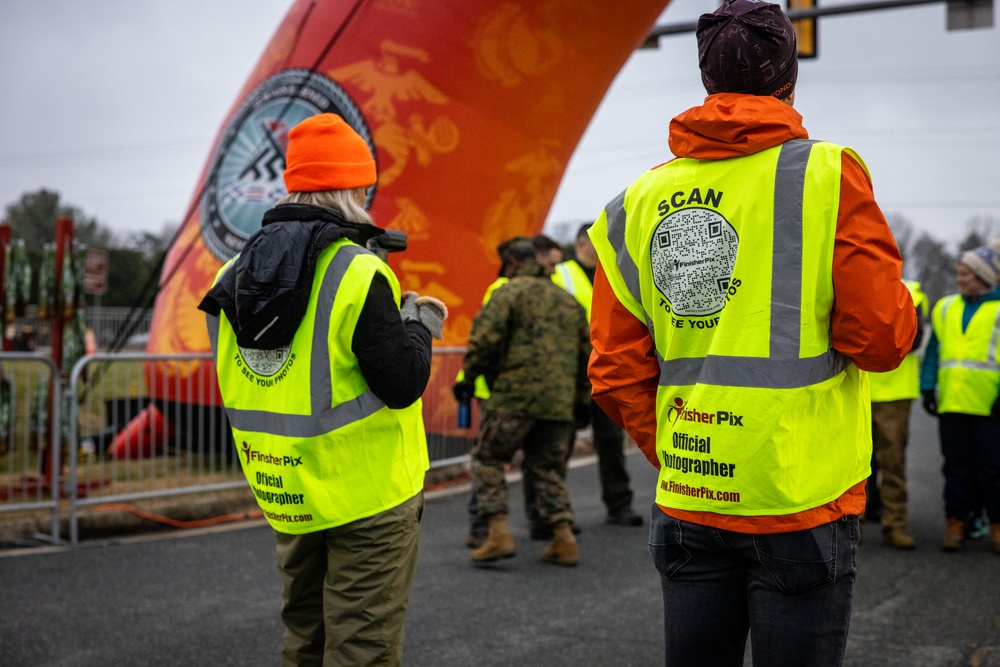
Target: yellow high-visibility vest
[903, 383]
[571, 277]
[968, 363]
[729, 263]
[317, 447]
[481, 390]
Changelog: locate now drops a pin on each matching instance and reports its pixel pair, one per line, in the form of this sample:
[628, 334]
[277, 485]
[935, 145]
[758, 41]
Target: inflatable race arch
[472, 109]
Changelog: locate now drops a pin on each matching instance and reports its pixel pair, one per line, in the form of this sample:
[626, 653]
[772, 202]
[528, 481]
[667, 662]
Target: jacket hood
[529, 268]
[731, 125]
[266, 291]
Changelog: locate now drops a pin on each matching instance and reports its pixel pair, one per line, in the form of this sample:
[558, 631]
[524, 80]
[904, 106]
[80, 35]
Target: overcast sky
[115, 104]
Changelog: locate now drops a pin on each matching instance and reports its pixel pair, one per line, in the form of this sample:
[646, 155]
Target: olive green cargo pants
[345, 589]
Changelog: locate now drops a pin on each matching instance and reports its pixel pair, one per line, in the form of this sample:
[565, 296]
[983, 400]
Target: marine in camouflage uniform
[533, 341]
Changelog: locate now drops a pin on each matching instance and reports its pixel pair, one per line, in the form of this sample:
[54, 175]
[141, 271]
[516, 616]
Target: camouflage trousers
[545, 446]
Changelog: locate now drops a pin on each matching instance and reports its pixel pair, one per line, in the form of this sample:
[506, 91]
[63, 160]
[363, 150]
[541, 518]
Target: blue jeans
[791, 592]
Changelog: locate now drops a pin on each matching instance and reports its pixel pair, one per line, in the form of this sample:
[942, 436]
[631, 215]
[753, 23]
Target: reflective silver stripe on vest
[967, 364]
[213, 335]
[944, 308]
[991, 352]
[756, 372]
[786, 260]
[615, 214]
[323, 417]
[783, 369]
[564, 273]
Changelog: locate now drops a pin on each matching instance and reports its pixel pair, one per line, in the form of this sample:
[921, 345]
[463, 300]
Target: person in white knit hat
[960, 383]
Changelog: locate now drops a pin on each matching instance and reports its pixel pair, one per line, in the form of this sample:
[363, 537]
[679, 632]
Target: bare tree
[905, 235]
[933, 265]
[980, 230]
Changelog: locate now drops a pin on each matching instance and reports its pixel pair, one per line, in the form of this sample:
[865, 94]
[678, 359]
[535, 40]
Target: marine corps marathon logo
[245, 179]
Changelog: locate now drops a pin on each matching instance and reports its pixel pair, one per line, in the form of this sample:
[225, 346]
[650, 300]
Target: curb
[33, 528]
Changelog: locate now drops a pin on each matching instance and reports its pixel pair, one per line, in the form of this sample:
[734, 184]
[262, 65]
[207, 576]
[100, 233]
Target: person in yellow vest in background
[481, 386]
[321, 373]
[960, 383]
[478, 525]
[548, 251]
[892, 396]
[744, 289]
[576, 276]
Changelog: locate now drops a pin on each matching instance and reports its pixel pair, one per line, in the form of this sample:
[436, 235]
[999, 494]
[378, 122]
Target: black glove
[463, 391]
[929, 399]
[581, 415]
[995, 410]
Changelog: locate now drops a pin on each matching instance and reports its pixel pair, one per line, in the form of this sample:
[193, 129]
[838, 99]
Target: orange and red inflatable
[472, 110]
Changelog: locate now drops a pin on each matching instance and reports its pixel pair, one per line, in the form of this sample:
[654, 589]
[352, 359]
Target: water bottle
[465, 412]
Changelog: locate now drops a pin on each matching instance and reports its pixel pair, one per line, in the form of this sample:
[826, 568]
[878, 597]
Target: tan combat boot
[499, 542]
[562, 550]
[898, 538]
[995, 536]
[954, 535]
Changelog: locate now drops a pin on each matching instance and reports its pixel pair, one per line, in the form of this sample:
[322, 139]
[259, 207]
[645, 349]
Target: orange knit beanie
[325, 153]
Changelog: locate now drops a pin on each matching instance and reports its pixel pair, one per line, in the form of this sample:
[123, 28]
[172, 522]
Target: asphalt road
[211, 597]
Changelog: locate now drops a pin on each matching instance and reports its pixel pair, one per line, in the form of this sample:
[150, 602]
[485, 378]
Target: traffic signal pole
[794, 15]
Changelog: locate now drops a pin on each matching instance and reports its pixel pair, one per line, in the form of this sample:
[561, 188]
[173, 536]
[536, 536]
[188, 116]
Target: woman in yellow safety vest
[321, 373]
[960, 383]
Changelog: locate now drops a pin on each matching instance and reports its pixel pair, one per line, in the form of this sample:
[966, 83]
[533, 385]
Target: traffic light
[805, 29]
[964, 14]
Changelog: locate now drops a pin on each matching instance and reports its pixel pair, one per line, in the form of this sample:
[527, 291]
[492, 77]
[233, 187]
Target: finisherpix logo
[250, 455]
[246, 179]
[673, 412]
[682, 411]
[247, 451]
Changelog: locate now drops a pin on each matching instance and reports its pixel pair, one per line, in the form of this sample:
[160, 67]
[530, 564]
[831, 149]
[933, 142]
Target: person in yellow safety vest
[321, 371]
[478, 525]
[576, 276]
[482, 389]
[960, 383]
[892, 397]
[548, 251]
[744, 288]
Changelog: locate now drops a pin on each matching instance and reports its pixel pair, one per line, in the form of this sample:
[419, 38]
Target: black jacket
[266, 291]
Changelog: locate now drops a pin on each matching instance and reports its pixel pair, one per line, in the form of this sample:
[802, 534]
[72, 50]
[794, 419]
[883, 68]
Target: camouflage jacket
[533, 341]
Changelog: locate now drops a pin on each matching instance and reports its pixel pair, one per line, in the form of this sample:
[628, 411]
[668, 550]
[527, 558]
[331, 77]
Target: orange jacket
[873, 319]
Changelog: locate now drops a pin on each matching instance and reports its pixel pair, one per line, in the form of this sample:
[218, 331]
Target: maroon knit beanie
[747, 47]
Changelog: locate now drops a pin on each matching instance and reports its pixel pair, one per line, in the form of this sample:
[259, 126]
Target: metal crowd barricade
[144, 426]
[30, 446]
[447, 443]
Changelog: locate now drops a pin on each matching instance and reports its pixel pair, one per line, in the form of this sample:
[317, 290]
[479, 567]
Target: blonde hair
[339, 201]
